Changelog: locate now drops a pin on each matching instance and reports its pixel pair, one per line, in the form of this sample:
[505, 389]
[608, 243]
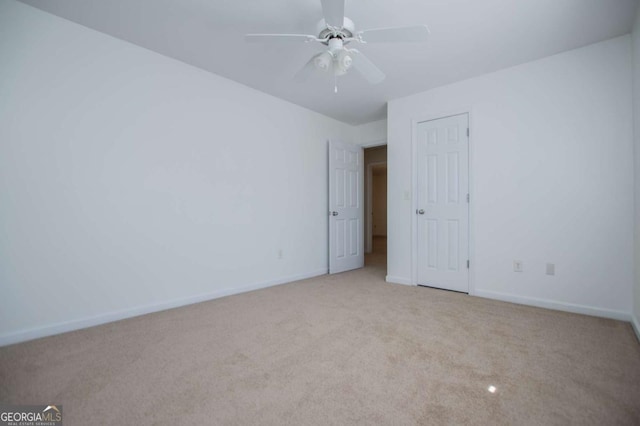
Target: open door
[443, 203]
[346, 211]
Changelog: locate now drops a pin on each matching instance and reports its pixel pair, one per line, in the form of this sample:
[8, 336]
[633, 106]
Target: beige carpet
[336, 350]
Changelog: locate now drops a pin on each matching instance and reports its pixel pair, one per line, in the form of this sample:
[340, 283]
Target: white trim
[558, 306]
[373, 144]
[472, 191]
[635, 324]
[63, 327]
[368, 208]
[398, 280]
[414, 190]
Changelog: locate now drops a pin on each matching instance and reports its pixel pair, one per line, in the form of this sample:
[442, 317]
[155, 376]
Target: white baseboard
[63, 327]
[636, 325]
[398, 280]
[558, 306]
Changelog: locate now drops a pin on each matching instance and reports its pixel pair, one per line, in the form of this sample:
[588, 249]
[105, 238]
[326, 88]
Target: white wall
[552, 164]
[131, 182]
[636, 116]
[371, 134]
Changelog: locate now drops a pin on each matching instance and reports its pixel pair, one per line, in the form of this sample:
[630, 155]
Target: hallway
[377, 259]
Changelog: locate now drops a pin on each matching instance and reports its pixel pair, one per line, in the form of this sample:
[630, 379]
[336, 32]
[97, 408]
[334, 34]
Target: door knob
[334, 213]
[421, 211]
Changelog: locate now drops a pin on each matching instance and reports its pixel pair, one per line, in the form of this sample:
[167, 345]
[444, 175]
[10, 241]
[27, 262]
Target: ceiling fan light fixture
[343, 62]
[323, 61]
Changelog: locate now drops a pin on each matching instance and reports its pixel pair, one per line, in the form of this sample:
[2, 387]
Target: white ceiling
[468, 38]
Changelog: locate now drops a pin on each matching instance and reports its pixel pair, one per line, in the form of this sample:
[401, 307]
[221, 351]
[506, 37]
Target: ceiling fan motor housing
[325, 32]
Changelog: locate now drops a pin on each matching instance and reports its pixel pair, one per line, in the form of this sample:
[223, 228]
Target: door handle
[334, 213]
[421, 211]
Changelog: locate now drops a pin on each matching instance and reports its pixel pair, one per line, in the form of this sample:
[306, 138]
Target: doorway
[375, 222]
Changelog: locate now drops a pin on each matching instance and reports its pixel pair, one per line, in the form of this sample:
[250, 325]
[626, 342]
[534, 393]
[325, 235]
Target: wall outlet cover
[517, 266]
[551, 269]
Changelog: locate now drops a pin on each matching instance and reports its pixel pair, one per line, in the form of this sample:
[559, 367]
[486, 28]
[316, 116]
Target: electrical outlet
[280, 254]
[517, 266]
[551, 269]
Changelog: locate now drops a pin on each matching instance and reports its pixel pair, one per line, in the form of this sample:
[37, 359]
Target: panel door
[346, 212]
[443, 207]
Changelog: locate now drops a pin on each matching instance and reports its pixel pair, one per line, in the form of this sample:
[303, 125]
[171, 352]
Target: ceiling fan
[336, 31]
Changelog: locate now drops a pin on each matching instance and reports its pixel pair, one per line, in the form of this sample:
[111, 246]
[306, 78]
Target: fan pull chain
[335, 83]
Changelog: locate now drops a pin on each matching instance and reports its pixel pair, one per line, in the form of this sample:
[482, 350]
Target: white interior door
[443, 203]
[346, 212]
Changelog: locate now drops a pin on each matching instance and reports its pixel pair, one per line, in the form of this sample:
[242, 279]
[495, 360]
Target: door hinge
[468, 264]
[468, 198]
[467, 132]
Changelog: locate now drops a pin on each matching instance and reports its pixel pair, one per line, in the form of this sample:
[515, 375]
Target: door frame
[414, 191]
[368, 237]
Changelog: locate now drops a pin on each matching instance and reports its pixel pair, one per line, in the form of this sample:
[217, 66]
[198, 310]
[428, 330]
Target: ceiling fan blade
[368, 70]
[278, 38]
[333, 11]
[306, 71]
[395, 34]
